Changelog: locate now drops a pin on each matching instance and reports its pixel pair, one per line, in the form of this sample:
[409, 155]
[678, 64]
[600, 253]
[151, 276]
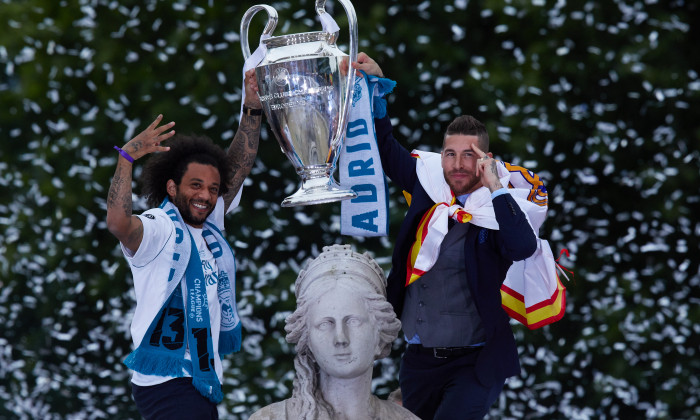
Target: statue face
[342, 336]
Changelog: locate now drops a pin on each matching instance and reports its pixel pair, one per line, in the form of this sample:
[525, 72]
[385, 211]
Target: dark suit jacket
[488, 255]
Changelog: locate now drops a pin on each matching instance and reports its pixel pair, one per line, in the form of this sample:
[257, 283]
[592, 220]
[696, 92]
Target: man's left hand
[486, 170]
[252, 100]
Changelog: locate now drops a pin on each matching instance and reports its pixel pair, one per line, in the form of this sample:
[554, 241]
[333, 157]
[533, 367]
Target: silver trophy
[306, 99]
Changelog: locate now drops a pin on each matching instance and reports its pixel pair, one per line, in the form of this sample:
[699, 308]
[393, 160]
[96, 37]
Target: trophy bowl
[306, 99]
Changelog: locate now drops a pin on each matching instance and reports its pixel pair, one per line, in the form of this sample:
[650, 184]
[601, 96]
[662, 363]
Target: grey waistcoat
[439, 306]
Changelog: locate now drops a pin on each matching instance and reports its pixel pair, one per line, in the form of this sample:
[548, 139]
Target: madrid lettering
[366, 193]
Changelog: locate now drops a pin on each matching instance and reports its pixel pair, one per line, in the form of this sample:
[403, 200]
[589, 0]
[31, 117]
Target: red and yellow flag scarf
[433, 226]
[532, 292]
[458, 214]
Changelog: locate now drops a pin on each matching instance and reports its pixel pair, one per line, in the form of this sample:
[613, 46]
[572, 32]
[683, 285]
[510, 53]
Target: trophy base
[318, 191]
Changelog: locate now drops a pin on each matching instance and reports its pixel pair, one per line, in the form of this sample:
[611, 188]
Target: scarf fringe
[230, 341]
[208, 388]
[384, 87]
[157, 363]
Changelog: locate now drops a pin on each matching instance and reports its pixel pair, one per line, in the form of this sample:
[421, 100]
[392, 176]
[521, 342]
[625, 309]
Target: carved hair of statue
[337, 263]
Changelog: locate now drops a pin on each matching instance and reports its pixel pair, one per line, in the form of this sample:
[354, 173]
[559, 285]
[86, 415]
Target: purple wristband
[123, 153]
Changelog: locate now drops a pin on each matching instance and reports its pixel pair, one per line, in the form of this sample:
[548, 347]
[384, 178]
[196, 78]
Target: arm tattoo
[242, 152]
[120, 220]
[493, 168]
[137, 145]
[120, 191]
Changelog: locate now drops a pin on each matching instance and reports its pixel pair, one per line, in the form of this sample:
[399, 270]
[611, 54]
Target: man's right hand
[148, 141]
[120, 220]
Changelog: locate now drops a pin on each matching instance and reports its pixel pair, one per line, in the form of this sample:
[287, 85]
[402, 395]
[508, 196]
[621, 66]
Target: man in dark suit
[460, 345]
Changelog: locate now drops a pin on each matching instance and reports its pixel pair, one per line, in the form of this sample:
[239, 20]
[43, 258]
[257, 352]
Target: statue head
[342, 323]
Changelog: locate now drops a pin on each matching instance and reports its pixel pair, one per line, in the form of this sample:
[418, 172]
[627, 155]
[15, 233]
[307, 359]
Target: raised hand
[252, 99]
[486, 169]
[364, 63]
[148, 141]
[120, 220]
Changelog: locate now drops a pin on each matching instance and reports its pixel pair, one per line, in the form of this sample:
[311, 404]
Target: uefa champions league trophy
[306, 99]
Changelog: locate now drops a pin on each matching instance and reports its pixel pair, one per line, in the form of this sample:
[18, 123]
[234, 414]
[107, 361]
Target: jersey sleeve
[157, 230]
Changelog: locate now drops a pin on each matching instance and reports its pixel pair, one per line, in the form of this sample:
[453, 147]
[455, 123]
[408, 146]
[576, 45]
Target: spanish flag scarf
[531, 292]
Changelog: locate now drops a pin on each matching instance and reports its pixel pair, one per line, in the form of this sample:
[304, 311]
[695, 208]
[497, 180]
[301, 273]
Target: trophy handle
[352, 23]
[245, 23]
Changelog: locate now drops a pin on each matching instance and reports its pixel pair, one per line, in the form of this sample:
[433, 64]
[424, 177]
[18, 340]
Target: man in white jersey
[183, 268]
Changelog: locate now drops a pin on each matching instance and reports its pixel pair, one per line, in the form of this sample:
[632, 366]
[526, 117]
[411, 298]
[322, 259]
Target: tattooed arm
[125, 226]
[244, 146]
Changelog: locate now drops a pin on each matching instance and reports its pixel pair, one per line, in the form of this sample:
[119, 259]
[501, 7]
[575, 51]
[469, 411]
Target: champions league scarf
[531, 292]
[360, 167]
[183, 321]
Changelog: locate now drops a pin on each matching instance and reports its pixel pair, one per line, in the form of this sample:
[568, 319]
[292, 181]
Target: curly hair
[184, 149]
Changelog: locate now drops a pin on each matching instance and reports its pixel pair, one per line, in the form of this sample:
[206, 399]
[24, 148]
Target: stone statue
[342, 324]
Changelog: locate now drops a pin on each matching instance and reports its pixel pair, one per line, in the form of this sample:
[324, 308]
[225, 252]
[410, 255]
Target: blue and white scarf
[360, 167]
[183, 321]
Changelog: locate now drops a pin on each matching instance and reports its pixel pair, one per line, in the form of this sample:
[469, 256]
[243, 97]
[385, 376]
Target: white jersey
[150, 266]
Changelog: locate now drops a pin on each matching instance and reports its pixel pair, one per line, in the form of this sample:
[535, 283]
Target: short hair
[184, 149]
[467, 125]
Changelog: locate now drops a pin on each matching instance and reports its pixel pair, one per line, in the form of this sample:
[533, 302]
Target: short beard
[467, 188]
[184, 209]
